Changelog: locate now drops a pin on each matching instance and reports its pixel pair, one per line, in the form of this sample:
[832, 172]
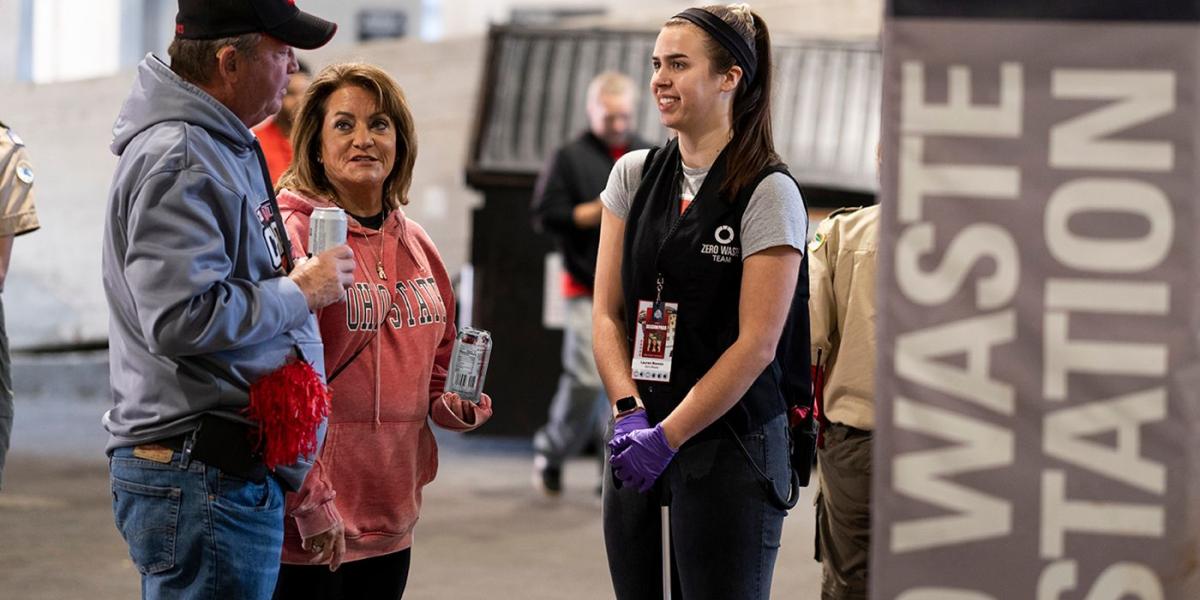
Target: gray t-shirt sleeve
[775, 216]
[623, 182]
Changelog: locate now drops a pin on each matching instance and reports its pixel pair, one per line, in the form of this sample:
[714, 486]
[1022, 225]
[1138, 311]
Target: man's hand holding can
[324, 277]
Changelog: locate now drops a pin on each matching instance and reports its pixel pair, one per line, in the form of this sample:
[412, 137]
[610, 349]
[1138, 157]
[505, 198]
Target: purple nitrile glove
[645, 455]
[628, 424]
[622, 426]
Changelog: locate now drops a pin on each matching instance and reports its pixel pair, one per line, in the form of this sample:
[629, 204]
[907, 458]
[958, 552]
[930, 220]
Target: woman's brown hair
[753, 147]
[307, 175]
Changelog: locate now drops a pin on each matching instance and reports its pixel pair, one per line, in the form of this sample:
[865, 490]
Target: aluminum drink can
[469, 363]
[326, 229]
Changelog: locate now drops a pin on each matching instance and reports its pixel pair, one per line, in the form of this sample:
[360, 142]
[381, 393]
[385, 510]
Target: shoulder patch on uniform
[817, 241]
[16, 139]
[25, 172]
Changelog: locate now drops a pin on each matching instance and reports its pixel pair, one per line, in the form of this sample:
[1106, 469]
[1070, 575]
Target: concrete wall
[345, 13]
[458, 18]
[54, 297]
[810, 18]
[455, 18]
[10, 31]
[53, 294]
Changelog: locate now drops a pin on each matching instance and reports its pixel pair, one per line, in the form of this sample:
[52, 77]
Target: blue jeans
[194, 532]
[725, 531]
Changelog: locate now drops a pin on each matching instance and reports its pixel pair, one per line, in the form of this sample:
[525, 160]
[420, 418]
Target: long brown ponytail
[753, 147]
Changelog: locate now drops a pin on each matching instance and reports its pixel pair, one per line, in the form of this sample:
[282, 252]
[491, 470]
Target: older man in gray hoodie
[204, 302]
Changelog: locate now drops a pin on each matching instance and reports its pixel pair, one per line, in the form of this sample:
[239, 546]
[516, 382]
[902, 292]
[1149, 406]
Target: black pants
[376, 578]
[725, 532]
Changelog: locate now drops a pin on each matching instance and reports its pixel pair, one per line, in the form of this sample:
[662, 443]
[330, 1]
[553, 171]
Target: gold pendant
[379, 270]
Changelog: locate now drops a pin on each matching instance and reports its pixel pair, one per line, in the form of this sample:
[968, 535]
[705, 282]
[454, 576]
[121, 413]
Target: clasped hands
[638, 453]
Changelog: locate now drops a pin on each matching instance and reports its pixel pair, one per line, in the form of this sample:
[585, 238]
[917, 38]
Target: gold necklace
[378, 257]
[379, 270]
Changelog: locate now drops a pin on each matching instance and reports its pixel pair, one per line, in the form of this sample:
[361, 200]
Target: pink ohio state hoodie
[386, 351]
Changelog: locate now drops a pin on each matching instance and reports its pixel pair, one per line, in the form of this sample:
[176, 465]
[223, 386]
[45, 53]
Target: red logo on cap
[179, 28]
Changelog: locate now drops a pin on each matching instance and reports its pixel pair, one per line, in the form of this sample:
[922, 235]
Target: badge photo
[654, 329]
[655, 341]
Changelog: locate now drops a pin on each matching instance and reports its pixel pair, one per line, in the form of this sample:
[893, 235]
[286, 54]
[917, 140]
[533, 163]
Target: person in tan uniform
[842, 317]
[17, 216]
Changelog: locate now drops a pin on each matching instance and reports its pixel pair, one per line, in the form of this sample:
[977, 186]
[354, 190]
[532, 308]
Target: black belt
[224, 444]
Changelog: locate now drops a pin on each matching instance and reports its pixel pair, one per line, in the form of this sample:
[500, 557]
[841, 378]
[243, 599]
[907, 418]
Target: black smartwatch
[627, 405]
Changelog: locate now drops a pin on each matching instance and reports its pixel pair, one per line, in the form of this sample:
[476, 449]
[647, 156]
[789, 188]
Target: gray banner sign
[1039, 377]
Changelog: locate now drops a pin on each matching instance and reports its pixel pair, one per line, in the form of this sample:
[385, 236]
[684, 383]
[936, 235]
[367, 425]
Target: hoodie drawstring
[377, 423]
[382, 323]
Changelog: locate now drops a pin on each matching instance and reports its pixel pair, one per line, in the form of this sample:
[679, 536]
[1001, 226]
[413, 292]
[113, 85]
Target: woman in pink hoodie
[387, 346]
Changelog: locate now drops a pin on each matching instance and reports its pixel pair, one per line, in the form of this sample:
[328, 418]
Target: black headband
[725, 35]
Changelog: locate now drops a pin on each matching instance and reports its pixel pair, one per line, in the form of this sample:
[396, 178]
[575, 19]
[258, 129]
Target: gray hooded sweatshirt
[199, 305]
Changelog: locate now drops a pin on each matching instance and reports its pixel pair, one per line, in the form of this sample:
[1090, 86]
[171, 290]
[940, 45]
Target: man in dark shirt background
[567, 205]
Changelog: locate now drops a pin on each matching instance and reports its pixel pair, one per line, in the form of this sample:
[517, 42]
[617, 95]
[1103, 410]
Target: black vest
[701, 265]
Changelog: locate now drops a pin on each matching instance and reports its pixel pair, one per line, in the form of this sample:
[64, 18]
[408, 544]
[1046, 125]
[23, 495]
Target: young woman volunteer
[701, 295]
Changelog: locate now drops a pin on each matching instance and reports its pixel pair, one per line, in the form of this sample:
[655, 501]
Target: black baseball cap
[281, 19]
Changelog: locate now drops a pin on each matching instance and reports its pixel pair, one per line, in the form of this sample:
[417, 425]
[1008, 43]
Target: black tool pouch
[803, 429]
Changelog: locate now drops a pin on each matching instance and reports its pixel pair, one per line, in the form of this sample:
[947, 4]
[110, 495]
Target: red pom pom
[288, 405]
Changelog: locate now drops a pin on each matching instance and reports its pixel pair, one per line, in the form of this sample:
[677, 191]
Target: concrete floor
[484, 533]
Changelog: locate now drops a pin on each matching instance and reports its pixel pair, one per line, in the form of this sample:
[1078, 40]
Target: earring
[319, 159]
